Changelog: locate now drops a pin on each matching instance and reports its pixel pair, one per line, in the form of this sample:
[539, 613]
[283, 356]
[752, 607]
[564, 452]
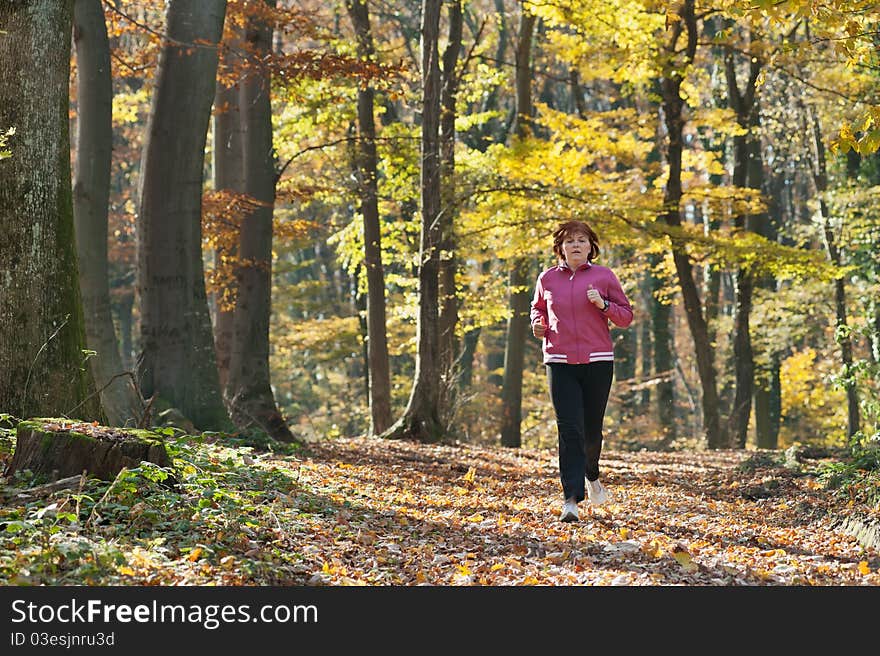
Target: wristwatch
[606, 305]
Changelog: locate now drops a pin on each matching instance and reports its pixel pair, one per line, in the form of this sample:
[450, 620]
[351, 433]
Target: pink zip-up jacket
[578, 331]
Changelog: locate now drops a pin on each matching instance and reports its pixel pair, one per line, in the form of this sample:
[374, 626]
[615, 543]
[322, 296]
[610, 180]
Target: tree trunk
[626, 349]
[421, 419]
[712, 277]
[249, 391]
[42, 334]
[361, 307]
[768, 393]
[577, 93]
[659, 341]
[514, 353]
[377, 339]
[664, 357]
[747, 171]
[820, 177]
[178, 363]
[768, 407]
[124, 307]
[646, 345]
[228, 172]
[519, 277]
[91, 193]
[465, 364]
[673, 107]
[448, 298]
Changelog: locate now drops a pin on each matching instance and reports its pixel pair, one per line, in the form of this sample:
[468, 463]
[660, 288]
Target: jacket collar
[563, 266]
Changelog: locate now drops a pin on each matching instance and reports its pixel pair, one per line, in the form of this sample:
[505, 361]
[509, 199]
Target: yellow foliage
[131, 107]
[811, 408]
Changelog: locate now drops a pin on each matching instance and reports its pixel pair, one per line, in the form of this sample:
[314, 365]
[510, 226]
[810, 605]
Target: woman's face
[576, 249]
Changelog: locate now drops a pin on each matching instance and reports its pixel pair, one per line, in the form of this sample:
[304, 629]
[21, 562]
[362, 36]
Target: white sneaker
[596, 493]
[569, 511]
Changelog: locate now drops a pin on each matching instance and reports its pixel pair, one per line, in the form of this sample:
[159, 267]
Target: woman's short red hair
[569, 228]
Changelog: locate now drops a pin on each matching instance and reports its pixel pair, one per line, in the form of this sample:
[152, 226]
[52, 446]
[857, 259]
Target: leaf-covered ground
[405, 514]
[372, 512]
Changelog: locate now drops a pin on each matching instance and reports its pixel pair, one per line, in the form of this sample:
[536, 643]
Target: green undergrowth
[857, 475]
[227, 511]
[851, 472]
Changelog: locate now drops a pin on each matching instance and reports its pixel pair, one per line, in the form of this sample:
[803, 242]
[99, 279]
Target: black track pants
[579, 393]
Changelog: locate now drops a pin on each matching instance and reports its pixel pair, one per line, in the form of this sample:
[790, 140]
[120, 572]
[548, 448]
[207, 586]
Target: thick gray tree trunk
[379, 375]
[41, 319]
[249, 390]
[421, 418]
[673, 107]
[519, 277]
[91, 193]
[178, 363]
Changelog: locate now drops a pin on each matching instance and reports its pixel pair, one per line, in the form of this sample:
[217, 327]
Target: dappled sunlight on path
[462, 515]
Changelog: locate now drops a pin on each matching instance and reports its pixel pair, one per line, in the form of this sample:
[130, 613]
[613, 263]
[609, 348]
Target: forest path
[401, 513]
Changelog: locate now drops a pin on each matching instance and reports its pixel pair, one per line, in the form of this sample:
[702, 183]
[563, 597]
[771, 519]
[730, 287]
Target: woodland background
[279, 222]
[724, 151]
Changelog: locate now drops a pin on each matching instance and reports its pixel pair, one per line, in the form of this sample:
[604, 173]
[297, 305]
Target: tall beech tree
[448, 293]
[678, 53]
[42, 337]
[518, 276]
[832, 248]
[91, 192]
[747, 172]
[177, 361]
[367, 172]
[421, 420]
[248, 390]
[228, 172]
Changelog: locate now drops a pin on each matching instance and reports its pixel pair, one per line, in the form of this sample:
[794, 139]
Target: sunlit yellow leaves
[683, 557]
[721, 120]
[864, 568]
[610, 39]
[535, 183]
[809, 402]
[130, 107]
